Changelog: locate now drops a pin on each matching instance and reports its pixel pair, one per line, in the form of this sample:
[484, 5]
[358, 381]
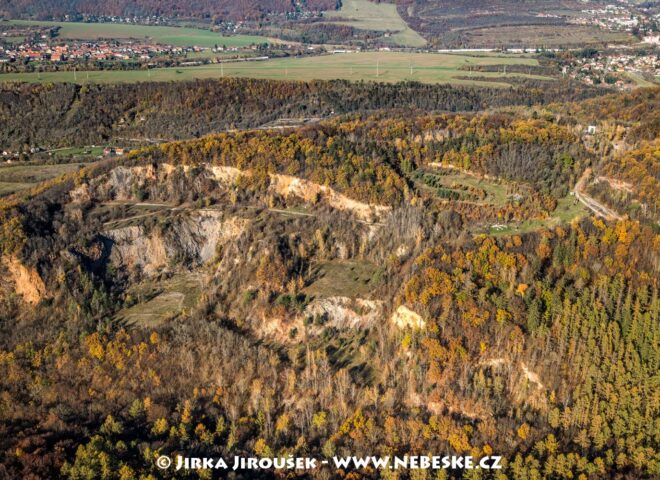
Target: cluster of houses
[618, 17]
[596, 69]
[111, 152]
[9, 156]
[100, 50]
[136, 19]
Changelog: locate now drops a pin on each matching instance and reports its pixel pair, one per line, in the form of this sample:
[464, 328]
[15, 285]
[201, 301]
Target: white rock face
[119, 182]
[406, 318]
[338, 312]
[194, 238]
[344, 312]
[287, 185]
[224, 174]
[402, 250]
[311, 192]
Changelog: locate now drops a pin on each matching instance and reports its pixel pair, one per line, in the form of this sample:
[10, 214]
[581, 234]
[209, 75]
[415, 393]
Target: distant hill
[434, 23]
[503, 23]
[225, 9]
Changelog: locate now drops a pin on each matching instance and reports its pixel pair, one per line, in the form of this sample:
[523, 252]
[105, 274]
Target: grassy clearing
[159, 300]
[7, 188]
[479, 191]
[77, 152]
[14, 178]
[366, 66]
[568, 209]
[343, 278]
[380, 17]
[641, 81]
[177, 36]
[452, 184]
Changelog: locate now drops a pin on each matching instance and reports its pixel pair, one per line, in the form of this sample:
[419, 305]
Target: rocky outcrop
[119, 185]
[532, 377]
[321, 313]
[403, 317]
[135, 249]
[289, 186]
[192, 239]
[224, 174]
[344, 312]
[27, 281]
[311, 192]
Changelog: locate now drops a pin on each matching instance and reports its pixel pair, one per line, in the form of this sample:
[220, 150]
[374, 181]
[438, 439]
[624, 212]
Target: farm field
[177, 36]
[381, 17]
[20, 177]
[541, 36]
[367, 66]
[72, 152]
[7, 188]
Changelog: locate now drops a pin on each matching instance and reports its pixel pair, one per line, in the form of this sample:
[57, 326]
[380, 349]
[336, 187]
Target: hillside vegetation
[64, 114]
[166, 35]
[226, 9]
[329, 289]
[381, 16]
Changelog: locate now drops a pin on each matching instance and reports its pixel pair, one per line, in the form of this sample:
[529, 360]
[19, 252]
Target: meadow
[15, 177]
[466, 187]
[177, 36]
[567, 211]
[154, 302]
[366, 66]
[380, 17]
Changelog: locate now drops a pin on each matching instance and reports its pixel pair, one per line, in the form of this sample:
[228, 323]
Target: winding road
[595, 206]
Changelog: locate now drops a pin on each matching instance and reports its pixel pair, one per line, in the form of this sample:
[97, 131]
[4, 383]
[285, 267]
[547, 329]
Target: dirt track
[598, 208]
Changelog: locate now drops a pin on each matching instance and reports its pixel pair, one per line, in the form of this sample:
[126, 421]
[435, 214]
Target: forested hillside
[627, 176]
[58, 115]
[221, 9]
[395, 282]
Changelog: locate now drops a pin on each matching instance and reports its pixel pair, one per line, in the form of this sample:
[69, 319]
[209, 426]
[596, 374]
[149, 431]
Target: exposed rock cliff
[192, 238]
[27, 280]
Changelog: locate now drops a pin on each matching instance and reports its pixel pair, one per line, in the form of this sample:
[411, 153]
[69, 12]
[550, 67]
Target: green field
[494, 192]
[367, 66]
[461, 186]
[7, 188]
[13, 39]
[568, 209]
[177, 36]
[71, 152]
[381, 17]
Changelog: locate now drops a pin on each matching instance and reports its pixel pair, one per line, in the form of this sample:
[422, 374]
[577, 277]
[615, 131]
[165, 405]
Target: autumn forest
[411, 270]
